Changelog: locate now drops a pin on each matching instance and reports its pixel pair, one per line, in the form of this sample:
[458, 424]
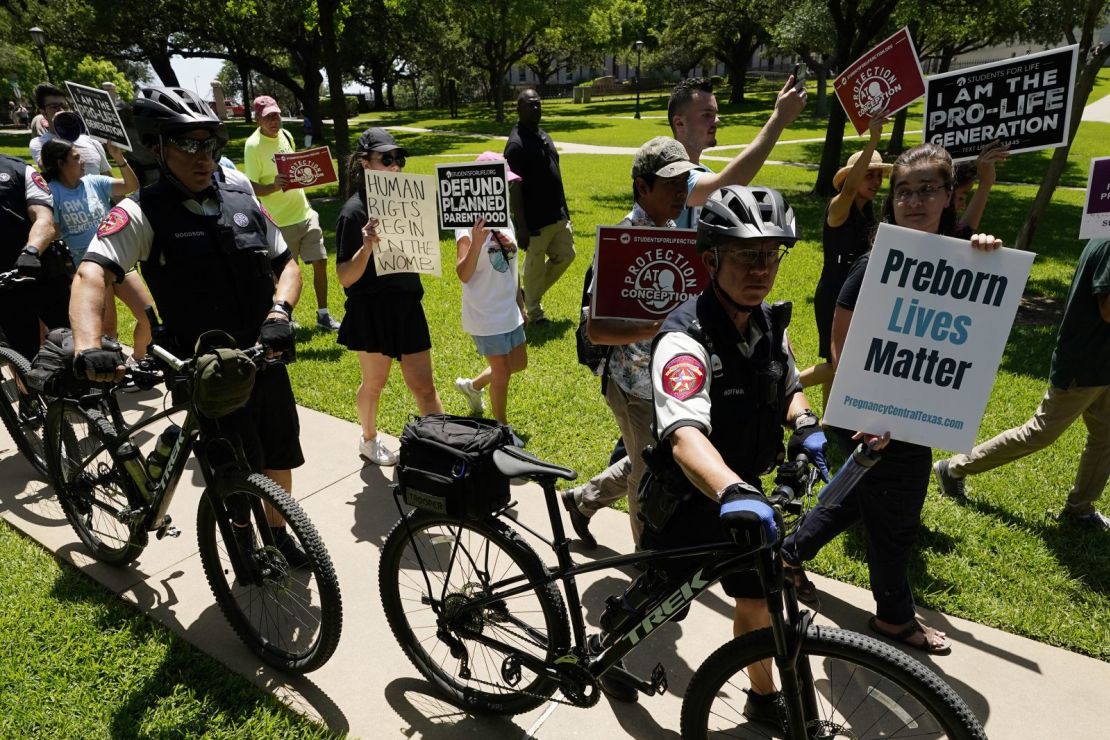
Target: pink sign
[888, 76]
[645, 273]
[306, 168]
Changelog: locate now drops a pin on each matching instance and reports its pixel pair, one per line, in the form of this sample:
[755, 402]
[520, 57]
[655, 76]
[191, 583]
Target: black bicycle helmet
[739, 212]
[159, 111]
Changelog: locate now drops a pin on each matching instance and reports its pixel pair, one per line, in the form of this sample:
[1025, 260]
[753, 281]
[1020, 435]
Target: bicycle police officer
[213, 260]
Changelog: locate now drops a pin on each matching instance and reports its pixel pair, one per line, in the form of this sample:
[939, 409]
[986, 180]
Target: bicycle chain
[565, 667]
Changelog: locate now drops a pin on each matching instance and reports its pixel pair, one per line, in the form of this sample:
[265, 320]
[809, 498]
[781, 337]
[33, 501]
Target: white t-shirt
[94, 160]
[489, 304]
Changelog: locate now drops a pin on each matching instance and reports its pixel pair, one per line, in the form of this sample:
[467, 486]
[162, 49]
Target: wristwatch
[30, 250]
[284, 307]
[805, 420]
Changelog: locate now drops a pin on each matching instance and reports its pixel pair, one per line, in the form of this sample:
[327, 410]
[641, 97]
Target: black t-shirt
[532, 155]
[348, 240]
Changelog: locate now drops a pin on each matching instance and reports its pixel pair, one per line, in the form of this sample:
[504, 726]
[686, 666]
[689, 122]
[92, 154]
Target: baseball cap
[662, 157]
[495, 157]
[378, 140]
[264, 105]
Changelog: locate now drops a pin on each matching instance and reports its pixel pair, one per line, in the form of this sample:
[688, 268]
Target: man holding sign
[298, 221]
[51, 102]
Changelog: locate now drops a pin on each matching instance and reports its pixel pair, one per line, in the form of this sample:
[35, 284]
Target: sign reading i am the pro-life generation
[1096, 214]
[926, 337]
[888, 76]
[642, 274]
[470, 191]
[306, 168]
[405, 206]
[98, 111]
[1024, 103]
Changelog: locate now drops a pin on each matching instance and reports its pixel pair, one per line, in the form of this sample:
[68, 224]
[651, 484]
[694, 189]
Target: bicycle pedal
[658, 679]
[167, 532]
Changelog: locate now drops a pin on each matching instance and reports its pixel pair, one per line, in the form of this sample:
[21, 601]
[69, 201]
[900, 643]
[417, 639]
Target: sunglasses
[193, 146]
[389, 159]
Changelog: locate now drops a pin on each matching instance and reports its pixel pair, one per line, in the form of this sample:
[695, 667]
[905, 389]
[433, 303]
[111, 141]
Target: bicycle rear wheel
[22, 409]
[863, 689]
[92, 487]
[461, 561]
[290, 617]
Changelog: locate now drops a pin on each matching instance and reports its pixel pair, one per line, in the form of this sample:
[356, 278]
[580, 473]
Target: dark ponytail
[53, 156]
[935, 156]
[356, 180]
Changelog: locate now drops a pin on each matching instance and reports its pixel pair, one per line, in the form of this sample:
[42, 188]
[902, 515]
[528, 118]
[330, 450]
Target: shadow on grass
[552, 330]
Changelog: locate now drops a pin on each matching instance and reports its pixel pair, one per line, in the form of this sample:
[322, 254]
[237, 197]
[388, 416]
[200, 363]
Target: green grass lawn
[999, 560]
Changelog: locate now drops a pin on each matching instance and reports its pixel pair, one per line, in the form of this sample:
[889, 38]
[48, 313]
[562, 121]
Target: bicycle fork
[789, 628]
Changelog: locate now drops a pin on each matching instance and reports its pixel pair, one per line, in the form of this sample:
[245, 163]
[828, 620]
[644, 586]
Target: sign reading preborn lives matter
[98, 111]
[1096, 214]
[306, 168]
[471, 191]
[1023, 102]
[405, 206]
[926, 338]
[888, 76]
[643, 273]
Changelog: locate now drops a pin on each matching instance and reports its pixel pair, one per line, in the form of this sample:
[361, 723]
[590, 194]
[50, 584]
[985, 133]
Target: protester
[659, 174]
[22, 116]
[889, 498]
[80, 203]
[541, 216]
[298, 221]
[1079, 386]
[52, 101]
[307, 126]
[692, 115]
[493, 311]
[983, 169]
[384, 318]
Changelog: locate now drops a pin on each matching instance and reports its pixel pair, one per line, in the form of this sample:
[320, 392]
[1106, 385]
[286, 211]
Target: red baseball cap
[264, 105]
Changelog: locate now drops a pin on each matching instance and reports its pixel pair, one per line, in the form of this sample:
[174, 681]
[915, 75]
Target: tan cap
[662, 157]
[876, 163]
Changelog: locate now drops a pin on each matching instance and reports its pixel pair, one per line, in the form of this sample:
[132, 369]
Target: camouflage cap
[662, 157]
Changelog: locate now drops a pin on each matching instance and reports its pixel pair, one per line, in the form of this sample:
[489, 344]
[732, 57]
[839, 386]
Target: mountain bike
[22, 408]
[480, 616]
[289, 616]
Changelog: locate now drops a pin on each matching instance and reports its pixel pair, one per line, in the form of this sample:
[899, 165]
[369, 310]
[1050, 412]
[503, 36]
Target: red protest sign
[306, 168]
[644, 273]
[888, 75]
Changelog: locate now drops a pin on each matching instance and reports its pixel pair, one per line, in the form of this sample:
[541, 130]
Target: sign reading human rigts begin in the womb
[888, 76]
[643, 273]
[471, 191]
[405, 206]
[1025, 103]
[926, 338]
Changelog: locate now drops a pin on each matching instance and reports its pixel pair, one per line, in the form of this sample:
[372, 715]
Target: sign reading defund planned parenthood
[1024, 102]
[926, 338]
[471, 191]
[405, 206]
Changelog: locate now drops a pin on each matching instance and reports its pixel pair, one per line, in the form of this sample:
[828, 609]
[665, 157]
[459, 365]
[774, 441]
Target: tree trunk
[497, 90]
[330, 49]
[391, 101]
[897, 145]
[830, 155]
[947, 56]
[245, 81]
[162, 67]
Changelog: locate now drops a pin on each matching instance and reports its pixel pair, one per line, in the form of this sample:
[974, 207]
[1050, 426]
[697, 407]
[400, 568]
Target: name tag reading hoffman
[926, 338]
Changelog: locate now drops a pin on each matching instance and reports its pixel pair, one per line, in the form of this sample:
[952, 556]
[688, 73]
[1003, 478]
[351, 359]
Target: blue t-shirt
[78, 211]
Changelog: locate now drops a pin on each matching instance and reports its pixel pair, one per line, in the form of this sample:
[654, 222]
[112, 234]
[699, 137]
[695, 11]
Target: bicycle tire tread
[11, 422]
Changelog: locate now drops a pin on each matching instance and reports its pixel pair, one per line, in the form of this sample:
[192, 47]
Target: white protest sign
[98, 111]
[927, 334]
[405, 206]
[1096, 213]
[470, 191]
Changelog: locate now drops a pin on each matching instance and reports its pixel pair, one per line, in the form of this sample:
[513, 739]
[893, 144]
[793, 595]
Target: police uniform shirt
[681, 374]
[15, 200]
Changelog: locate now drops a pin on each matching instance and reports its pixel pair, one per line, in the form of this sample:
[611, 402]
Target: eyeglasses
[194, 146]
[752, 257]
[389, 159]
[54, 106]
[923, 194]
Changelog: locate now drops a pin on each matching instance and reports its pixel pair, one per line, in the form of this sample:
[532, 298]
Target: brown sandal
[807, 592]
[905, 636]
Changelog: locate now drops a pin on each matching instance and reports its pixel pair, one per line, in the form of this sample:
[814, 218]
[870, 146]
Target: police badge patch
[40, 183]
[240, 220]
[116, 219]
[683, 376]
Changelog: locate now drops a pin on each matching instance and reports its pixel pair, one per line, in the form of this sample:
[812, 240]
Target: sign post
[470, 191]
[643, 274]
[888, 76]
[405, 206]
[98, 111]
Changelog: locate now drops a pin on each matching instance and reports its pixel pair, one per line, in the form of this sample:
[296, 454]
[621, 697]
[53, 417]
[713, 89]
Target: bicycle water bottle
[156, 462]
[132, 461]
[862, 459]
[621, 611]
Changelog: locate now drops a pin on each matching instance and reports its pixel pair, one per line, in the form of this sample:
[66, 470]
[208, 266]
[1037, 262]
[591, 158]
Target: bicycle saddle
[514, 462]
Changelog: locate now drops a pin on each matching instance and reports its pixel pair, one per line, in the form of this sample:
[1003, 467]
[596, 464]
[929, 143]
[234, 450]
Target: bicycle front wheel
[432, 567]
[93, 488]
[862, 688]
[291, 617]
[22, 409]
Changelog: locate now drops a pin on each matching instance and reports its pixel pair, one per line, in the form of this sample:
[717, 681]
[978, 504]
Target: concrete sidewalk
[1019, 688]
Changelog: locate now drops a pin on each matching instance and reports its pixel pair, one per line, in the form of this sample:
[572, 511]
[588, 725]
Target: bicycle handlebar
[12, 278]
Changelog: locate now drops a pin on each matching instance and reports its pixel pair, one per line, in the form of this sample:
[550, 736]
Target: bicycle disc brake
[824, 729]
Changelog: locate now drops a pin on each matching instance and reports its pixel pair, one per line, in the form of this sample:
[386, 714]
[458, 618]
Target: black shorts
[391, 324]
[23, 305]
[268, 425]
[697, 521]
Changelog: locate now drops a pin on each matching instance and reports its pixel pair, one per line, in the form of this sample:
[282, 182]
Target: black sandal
[807, 592]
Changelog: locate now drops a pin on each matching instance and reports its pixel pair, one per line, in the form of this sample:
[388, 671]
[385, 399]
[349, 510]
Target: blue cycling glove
[745, 511]
[811, 442]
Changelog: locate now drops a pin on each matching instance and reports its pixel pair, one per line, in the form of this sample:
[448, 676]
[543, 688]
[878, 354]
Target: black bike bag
[52, 369]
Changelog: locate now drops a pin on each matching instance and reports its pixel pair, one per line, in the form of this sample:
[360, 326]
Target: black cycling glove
[745, 510]
[93, 362]
[28, 263]
[277, 335]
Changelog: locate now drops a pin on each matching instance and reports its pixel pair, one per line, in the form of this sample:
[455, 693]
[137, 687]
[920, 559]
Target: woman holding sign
[889, 498]
[384, 319]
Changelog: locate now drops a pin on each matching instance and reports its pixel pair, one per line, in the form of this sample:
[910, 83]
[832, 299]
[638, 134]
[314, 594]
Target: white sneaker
[473, 395]
[374, 451]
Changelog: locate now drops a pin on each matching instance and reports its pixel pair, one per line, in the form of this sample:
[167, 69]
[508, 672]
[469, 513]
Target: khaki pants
[1058, 410]
[549, 255]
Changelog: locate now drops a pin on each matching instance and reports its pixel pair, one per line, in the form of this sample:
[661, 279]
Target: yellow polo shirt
[289, 207]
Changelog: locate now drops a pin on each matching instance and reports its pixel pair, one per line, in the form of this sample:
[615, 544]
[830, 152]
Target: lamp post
[39, 37]
[639, 47]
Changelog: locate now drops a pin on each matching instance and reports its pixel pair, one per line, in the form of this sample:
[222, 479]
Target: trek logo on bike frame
[686, 593]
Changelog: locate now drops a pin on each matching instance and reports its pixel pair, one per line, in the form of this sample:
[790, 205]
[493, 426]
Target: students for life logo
[305, 172]
[660, 281]
[874, 88]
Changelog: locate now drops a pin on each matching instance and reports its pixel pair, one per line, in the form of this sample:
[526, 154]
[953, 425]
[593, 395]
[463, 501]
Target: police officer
[213, 260]
[724, 384]
[27, 223]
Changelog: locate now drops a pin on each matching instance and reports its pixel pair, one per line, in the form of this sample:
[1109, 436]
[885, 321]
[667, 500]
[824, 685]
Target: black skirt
[391, 324]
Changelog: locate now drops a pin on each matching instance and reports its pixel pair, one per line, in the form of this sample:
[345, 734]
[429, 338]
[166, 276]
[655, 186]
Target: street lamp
[39, 37]
[639, 47]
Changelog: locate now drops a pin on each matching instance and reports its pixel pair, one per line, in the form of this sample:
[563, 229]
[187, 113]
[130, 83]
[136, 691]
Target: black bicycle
[480, 616]
[22, 408]
[113, 495]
